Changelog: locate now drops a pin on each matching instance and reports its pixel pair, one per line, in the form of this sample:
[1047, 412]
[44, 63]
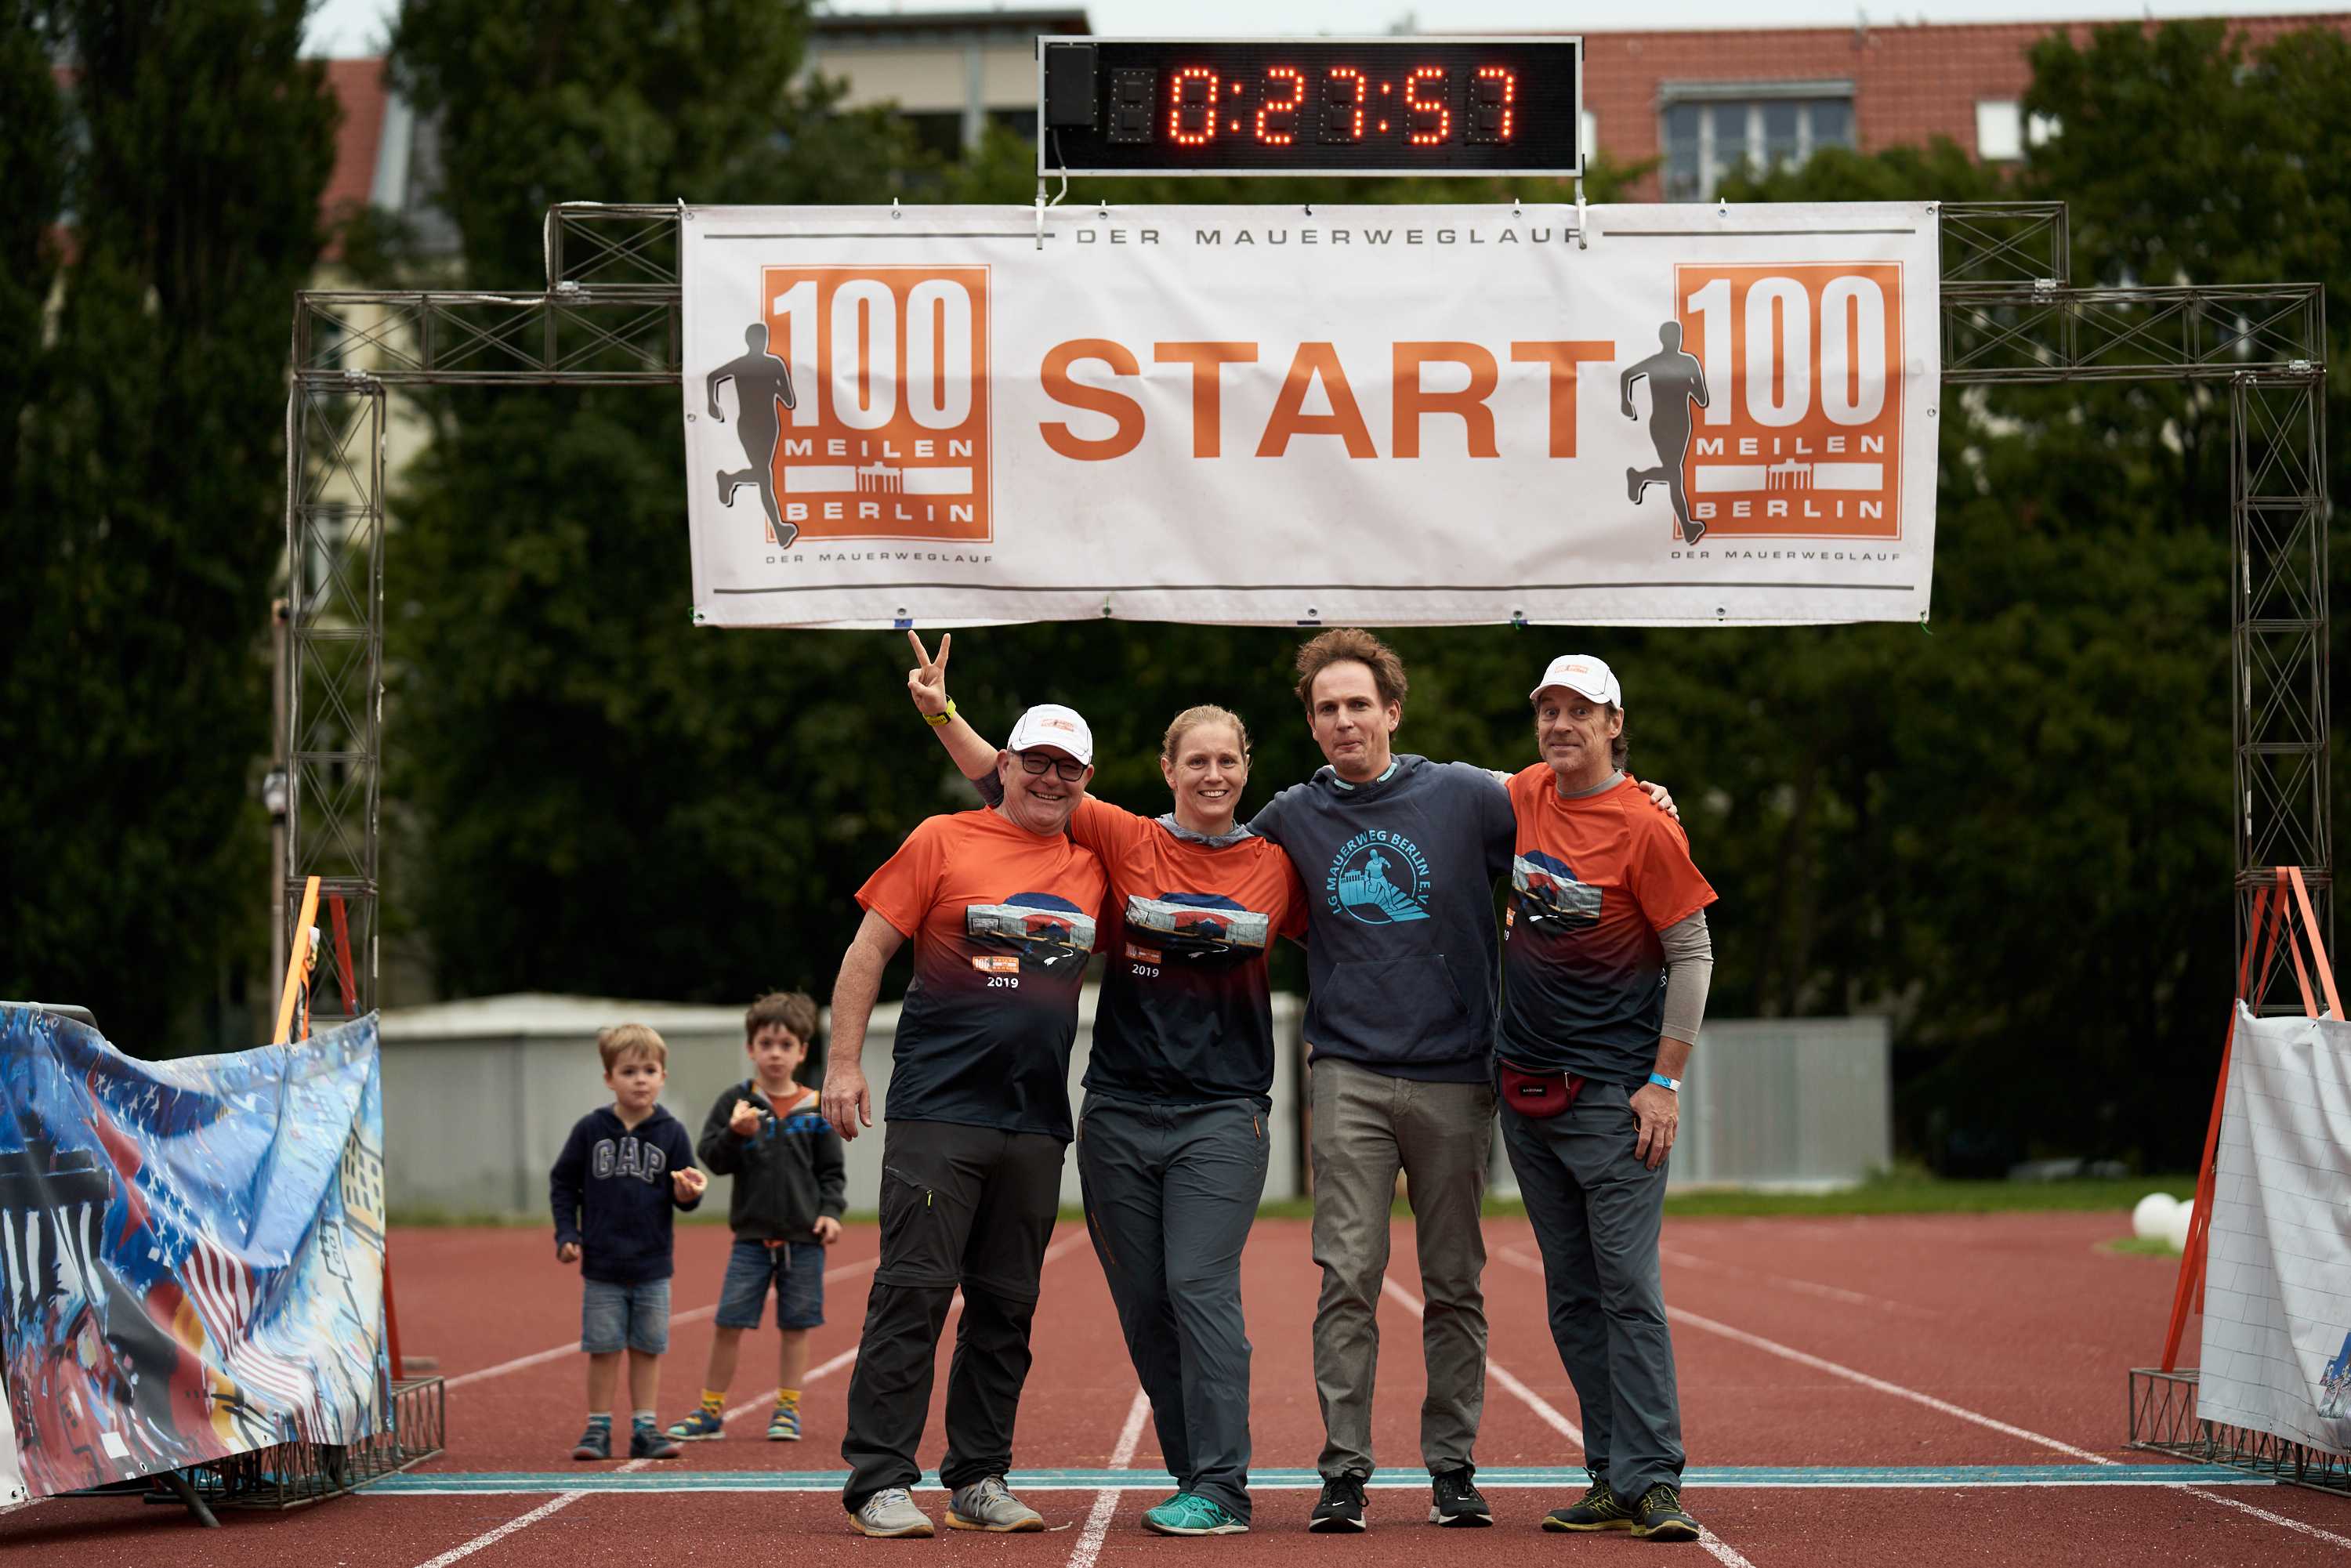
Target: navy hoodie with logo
[611, 1194]
[1402, 951]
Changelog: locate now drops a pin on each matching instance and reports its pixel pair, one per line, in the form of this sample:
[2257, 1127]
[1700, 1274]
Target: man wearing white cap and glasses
[1605, 964]
[1000, 906]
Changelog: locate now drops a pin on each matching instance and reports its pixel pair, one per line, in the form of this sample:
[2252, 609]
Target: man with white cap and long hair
[1000, 906]
[1606, 965]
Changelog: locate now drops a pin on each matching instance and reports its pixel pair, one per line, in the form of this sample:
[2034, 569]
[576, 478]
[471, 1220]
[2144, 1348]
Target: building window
[1711, 132]
[2000, 129]
[2003, 131]
[1588, 134]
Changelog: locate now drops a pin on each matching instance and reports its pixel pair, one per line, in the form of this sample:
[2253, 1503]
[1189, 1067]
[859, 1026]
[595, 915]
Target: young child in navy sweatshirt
[613, 1187]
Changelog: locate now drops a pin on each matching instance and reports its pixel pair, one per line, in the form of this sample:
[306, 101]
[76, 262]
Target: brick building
[1702, 102]
[1706, 101]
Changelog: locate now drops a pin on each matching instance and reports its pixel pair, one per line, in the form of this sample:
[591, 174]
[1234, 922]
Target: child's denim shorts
[616, 1317]
[798, 1270]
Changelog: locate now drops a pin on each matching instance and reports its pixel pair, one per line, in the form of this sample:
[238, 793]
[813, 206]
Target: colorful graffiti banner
[190, 1252]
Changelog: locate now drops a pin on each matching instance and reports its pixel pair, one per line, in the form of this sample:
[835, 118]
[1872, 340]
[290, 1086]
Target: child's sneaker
[700, 1427]
[595, 1443]
[784, 1426]
[646, 1441]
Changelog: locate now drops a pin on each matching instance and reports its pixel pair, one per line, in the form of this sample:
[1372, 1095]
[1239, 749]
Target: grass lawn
[1899, 1192]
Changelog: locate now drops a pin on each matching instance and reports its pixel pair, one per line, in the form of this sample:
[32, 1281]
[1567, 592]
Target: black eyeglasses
[1067, 769]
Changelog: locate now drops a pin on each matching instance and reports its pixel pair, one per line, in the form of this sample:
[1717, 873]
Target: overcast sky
[358, 27]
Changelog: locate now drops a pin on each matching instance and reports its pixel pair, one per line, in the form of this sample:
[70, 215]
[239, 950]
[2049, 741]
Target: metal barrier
[295, 1475]
[2163, 1420]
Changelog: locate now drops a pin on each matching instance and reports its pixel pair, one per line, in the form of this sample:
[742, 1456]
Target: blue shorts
[617, 1317]
[798, 1270]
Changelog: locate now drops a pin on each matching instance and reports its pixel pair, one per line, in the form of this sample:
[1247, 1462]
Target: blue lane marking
[1499, 1478]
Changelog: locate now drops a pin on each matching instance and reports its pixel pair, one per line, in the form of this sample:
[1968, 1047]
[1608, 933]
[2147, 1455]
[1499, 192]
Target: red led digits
[1192, 122]
[1423, 131]
[1493, 104]
[1277, 123]
[1343, 105]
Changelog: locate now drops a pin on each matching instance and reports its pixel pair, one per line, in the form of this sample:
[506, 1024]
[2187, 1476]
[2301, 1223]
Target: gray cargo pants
[1597, 1212]
[1171, 1192]
[1367, 1125]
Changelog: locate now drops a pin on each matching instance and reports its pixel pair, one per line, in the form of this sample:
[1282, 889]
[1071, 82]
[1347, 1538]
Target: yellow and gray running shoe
[1595, 1510]
[1659, 1516]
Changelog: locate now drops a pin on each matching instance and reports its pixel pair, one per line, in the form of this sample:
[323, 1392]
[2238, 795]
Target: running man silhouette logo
[1676, 380]
[1795, 370]
[761, 382]
[889, 435]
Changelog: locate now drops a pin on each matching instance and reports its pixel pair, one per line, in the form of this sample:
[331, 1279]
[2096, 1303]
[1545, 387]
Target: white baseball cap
[1051, 724]
[1581, 672]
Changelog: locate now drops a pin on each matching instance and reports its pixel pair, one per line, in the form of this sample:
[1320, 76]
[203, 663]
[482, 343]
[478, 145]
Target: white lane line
[520, 1521]
[1851, 1374]
[524, 1521]
[814, 1375]
[1788, 1282]
[1944, 1407]
[1089, 1544]
[2262, 1513]
[1543, 1408]
[1721, 1550]
[694, 1315]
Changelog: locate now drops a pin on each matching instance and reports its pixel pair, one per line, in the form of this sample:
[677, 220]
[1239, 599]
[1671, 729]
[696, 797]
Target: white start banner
[1291, 416]
[2276, 1356]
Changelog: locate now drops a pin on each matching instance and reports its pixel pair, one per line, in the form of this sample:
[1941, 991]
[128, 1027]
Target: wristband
[939, 720]
[1662, 1082]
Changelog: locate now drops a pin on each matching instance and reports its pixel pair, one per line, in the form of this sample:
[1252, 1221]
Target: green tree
[596, 796]
[2016, 831]
[146, 474]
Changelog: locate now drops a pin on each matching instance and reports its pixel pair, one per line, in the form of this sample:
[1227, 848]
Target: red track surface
[2019, 1319]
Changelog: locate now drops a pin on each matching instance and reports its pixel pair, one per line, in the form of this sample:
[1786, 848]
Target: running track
[1975, 1363]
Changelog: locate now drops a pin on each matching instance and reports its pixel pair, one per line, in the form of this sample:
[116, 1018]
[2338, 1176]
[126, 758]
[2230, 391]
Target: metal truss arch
[609, 314]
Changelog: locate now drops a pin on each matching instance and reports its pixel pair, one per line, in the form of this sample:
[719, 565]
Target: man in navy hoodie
[613, 1187]
[1399, 856]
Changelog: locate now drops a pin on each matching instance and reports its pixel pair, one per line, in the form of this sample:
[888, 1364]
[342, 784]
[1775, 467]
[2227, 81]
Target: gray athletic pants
[1367, 1125]
[1170, 1193]
[1597, 1211]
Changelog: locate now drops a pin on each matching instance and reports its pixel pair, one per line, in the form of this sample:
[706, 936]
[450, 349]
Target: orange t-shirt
[1593, 881]
[1185, 1015]
[1002, 923]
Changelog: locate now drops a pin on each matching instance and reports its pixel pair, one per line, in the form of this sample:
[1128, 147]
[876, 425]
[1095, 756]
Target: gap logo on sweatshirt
[627, 1157]
[1379, 878]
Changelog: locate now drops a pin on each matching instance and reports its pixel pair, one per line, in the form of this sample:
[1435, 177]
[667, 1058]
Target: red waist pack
[1539, 1096]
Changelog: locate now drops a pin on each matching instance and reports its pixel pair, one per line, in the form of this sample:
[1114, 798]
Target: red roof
[360, 86]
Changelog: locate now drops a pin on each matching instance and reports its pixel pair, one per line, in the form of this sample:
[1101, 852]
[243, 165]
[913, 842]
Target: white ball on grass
[2152, 1217]
[2175, 1234]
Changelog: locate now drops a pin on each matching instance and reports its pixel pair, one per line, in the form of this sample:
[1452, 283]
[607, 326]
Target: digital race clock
[1309, 106]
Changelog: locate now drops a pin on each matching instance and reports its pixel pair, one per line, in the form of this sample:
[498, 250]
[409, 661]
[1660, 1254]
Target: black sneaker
[595, 1443]
[1455, 1500]
[647, 1441]
[1659, 1517]
[1595, 1510]
[1341, 1507]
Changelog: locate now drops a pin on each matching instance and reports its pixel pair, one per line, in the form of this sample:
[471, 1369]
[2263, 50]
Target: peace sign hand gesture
[927, 683]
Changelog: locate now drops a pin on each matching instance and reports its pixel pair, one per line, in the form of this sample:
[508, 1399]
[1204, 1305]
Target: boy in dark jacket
[623, 1167]
[789, 1185]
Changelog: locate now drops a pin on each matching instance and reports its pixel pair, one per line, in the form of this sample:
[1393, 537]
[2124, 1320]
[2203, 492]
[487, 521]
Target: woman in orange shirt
[1171, 1141]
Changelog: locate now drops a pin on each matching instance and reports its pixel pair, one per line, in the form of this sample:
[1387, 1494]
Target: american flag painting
[181, 1277]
